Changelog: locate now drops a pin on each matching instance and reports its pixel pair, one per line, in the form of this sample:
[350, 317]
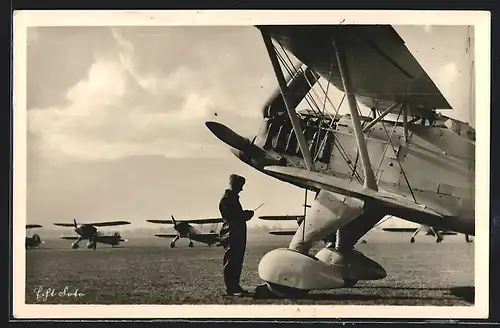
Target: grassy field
[149, 272]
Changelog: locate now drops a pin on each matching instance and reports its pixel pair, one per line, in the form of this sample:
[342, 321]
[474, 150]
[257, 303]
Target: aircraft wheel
[172, 245]
[349, 283]
[75, 246]
[412, 240]
[285, 291]
[191, 244]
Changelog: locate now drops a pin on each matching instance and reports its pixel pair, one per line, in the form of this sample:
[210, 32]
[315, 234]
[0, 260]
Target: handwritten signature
[43, 294]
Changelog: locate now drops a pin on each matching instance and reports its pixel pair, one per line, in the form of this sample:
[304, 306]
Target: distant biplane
[361, 168]
[429, 231]
[185, 229]
[34, 241]
[89, 231]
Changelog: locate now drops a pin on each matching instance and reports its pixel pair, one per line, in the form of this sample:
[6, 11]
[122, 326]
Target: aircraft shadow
[466, 293]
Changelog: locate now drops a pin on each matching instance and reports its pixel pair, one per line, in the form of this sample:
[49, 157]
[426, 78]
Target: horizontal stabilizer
[69, 237]
[348, 188]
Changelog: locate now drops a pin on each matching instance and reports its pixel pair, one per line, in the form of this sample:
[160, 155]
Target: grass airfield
[148, 271]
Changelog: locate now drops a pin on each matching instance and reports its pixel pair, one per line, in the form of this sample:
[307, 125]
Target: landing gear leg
[75, 245]
[172, 244]
[190, 243]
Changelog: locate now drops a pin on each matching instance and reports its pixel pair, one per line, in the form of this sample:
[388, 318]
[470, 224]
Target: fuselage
[89, 232]
[33, 241]
[185, 230]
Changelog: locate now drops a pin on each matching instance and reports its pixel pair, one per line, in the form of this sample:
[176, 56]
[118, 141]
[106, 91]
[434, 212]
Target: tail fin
[173, 220]
[74, 222]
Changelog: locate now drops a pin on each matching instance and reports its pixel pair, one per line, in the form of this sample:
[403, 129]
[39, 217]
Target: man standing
[233, 234]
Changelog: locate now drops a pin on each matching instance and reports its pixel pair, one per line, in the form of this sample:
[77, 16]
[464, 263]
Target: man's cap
[234, 178]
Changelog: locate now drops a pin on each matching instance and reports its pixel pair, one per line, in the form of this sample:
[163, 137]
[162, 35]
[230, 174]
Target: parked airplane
[34, 241]
[283, 232]
[423, 172]
[429, 231]
[89, 231]
[186, 230]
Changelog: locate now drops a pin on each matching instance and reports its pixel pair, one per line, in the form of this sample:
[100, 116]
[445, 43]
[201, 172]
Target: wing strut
[380, 117]
[291, 111]
[369, 181]
[405, 121]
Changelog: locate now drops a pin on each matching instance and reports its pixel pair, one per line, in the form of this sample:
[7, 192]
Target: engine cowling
[355, 265]
[289, 268]
[329, 212]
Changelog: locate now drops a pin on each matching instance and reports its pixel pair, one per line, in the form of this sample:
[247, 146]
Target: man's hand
[248, 214]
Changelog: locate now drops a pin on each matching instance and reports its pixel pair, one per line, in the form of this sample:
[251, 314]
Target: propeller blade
[233, 139]
[248, 151]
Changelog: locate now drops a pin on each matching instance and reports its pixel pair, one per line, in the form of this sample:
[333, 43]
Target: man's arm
[231, 210]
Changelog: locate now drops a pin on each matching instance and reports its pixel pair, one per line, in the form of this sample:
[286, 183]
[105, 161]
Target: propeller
[248, 151]
[175, 222]
[233, 139]
[75, 225]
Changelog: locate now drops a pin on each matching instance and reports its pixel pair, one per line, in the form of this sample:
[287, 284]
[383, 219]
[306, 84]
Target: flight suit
[233, 237]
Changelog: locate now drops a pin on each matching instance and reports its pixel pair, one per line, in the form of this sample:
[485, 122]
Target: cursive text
[43, 294]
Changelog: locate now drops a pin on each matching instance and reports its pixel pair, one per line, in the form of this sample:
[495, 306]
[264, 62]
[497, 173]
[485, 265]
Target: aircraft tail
[173, 220]
[74, 223]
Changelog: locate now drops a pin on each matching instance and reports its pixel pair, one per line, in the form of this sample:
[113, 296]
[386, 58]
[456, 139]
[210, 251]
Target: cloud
[119, 110]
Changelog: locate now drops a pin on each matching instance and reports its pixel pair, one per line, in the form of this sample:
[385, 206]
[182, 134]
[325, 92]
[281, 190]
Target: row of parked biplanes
[403, 160]
[187, 229]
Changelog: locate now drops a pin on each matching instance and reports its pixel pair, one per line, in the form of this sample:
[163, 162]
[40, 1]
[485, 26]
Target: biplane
[401, 159]
[34, 241]
[89, 231]
[429, 231]
[184, 229]
[283, 232]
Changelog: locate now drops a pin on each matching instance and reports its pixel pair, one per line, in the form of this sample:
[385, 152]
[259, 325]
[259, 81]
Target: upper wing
[351, 189]
[110, 223]
[193, 221]
[382, 69]
[97, 224]
[31, 226]
[282, 217]
[282, 232]
[399, 229]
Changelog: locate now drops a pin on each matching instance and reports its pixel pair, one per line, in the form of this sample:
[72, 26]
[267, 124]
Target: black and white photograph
[320, 161]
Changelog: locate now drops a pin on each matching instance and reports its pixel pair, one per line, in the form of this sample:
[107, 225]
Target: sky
[116, 117]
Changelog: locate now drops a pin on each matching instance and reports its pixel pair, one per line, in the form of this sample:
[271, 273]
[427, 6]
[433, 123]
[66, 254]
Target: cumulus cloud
[119, 110]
